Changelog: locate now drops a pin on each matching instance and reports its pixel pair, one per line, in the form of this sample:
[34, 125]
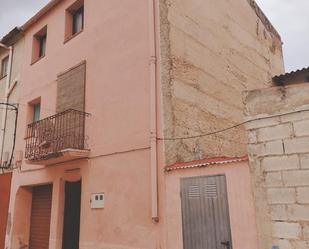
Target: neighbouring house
[115, 101]
[11, 52]
[278, 128]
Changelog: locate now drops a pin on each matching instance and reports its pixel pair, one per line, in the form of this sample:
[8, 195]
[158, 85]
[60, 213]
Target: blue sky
[290, 17]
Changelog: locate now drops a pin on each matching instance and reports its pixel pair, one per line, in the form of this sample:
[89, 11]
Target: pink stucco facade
[117, 46]
[117, 97]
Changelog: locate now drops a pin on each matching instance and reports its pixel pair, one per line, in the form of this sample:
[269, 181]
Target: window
[78, 21]
[36, 112]
[4, 67]
[42, 45]
[33, 115]
[39, 44]
[74, 19]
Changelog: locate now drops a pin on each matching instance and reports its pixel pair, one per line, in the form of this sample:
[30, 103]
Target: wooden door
[40, 217]
[205, 213]
[71, 225]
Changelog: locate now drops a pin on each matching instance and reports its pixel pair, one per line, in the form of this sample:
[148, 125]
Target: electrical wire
[228, 128]
[13, 107]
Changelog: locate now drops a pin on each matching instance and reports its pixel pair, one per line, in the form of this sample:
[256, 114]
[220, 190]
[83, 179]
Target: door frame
[227, 203]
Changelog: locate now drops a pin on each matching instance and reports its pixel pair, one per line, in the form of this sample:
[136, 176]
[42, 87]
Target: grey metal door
[205, 213]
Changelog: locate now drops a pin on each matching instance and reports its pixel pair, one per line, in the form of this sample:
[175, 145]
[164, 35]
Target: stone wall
[279, 157]
[211, 51]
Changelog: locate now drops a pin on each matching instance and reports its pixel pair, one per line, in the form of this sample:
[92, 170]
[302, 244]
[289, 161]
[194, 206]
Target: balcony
[56, 139]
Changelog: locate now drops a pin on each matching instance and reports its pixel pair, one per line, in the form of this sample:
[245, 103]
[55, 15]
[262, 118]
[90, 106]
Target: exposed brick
[301, 128]
[274, 179]
[252, 137]
[296, 178]
[306, 230]
[272, 148]
[286, 230]
[304, 161]
[296, 145]
[282, 243]
[298, 212]
[299, 244]
[280, 163]
[275, 132]
[279, 213]
[291, 244]
[295, 117]
[262, 123]
[281, 195]
[254, 149]
[302, 195]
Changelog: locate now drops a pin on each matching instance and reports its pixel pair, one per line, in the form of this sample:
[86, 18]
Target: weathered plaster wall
[3, 54]
[13, 95]
[211, 51]
[279, 159]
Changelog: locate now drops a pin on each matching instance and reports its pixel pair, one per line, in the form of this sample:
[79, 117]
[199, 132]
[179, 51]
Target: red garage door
[5, 187]
[40, 217]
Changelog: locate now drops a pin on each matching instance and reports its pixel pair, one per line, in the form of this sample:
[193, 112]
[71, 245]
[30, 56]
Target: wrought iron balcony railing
[50, 137]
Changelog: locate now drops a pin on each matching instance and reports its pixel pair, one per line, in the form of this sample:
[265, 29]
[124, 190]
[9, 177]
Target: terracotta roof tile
[205, 162]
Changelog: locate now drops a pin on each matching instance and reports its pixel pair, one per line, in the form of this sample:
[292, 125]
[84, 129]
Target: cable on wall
[228, 128]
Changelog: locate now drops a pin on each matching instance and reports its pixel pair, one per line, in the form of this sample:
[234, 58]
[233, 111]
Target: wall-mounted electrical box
[97, 200]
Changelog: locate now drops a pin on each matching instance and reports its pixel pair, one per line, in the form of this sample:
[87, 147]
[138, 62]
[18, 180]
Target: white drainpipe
[153, 111]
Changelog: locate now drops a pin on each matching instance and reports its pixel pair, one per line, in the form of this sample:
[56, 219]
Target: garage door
[40, 217]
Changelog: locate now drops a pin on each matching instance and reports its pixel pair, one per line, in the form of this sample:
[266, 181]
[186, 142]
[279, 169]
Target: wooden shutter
[205, 214]
[71, 89]
[40, 217]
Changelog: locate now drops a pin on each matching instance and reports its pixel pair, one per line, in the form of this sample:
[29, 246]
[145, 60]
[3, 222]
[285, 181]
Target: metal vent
[211, 190]
[194, 192]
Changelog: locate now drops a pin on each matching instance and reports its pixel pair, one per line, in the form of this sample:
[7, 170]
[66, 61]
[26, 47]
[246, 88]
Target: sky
[290, 18]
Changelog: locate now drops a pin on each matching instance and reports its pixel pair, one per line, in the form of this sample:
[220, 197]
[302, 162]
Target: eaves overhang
[40, 14]
[12, 37]
[287, 78]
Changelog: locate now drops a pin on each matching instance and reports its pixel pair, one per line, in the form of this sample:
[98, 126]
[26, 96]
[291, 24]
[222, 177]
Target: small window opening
[4, 67]
[36, 112]
[74, 20]
[42, 45]
[78, 21]
[39, 44]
